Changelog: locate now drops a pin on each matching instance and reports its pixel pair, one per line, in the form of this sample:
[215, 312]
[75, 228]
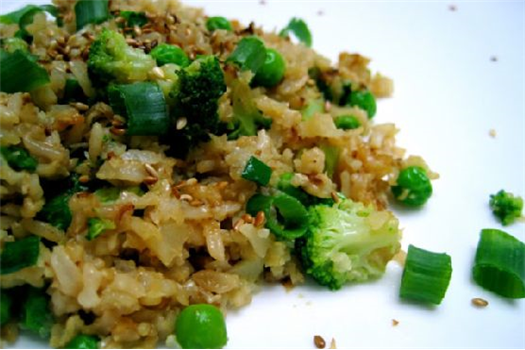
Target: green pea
[364, 100]
[272, 71]
[83, 341]
[166, 53]
[201, 326]
[6, 303]
[347, 122]
[413, 187]
[214, 23]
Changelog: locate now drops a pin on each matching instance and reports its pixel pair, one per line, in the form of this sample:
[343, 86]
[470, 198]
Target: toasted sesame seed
[150, 180]
[186, 197]
[238, 224]
[492, 133]
[181, 123]
[83, 178]
[137, 30]
[478, 302]
[259, 219]
[80, 106]
[327, 106]
[395, 322]
[335, 197]
[196, 203]
[247, 218]
[151, 170]
[117, 131]
[333, 345]
[319, 342]
[192, 181]
[131, 41]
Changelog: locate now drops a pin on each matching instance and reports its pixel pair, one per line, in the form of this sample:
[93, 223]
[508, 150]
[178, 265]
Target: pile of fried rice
[188, 239]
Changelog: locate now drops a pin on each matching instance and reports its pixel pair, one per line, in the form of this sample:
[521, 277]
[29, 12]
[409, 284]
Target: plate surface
[459, 72]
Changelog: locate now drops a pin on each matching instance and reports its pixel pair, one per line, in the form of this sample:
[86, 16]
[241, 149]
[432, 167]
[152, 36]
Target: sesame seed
[332, 344]
[238, 224]
[335, 197]
[151, 170]
[259, 219]
[150, 180]
[478, 302]
[186, 197]
[395, 322]
[84, 178]
[117, 131]
[137, 30]
[181, 123]
[492, 133]
[319, 342]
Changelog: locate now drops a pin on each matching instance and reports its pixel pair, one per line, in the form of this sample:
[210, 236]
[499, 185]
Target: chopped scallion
[250, 54]
[18, 158]
[91, 11]
[134, 18]
[97, 226]
[299, 28]
[426, 276]
[20, 73]
[19, 254]
[500, 264]
[36, 315]
[144, 107]
[256, 171]
[285, 216]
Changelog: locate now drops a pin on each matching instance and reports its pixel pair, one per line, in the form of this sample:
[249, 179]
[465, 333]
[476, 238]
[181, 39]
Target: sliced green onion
[108, 194]
[133, 18]
[97, 226]
[299, 28]
[347, 122]
[144, 107]
[257, 171]
[312, 108]
[36, 315]
[19, 73]
[285, 216]
[6, 307]
[73, 91]
[426, 276]
[91, 11]
[285, 185]
[500, 264]
[18, 158]
[19, 254]
[16, 16]
[331, 158]
[250, 54]
[83, 341]
[27, 18]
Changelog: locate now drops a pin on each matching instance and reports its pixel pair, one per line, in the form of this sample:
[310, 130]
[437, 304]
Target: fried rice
[188, 238]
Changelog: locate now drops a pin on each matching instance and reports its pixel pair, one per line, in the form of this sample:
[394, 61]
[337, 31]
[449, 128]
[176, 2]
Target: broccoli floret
[200, 86]
[111, 58]
[506, 207]
[247, 119]
[348, 242]
[196, 95]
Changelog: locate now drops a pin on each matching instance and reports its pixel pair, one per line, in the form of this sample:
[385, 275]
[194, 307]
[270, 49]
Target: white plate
[449, 93]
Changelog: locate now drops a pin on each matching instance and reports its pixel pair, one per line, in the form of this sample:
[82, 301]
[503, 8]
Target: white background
[448, 95]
